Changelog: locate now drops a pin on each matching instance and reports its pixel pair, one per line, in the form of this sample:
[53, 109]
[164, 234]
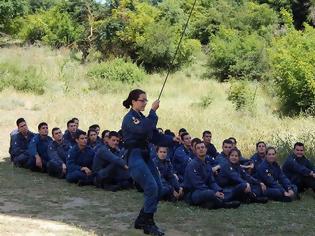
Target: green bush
[292, 63]
[241, 95]
[26, 80]
[117, 70]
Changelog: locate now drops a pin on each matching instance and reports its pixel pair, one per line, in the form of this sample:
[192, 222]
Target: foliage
[240, 95]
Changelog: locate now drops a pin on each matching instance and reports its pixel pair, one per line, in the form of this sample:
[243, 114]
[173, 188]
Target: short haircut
[195, 141]
[169, 132]
[206, 132]
[227, 141]
[41, 124]
[298, 144]
[234, 139]
[95, 126]
[260, 142]
[19, 121]
[70, 122]
[79, 133]
[182, 130]
[113, 134]
[90, 131]
[54, 129]
[74, 118]
[199, 142]
[158, 148]
[183, 135]
[271, 148]
[104, 133]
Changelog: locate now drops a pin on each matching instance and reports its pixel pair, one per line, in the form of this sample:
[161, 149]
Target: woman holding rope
[138, 131]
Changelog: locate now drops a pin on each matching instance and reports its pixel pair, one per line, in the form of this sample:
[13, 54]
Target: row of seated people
[190, 170]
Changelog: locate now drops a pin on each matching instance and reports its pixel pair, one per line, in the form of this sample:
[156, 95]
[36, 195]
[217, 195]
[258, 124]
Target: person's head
[261, 148]
[234, 156]
[206, 136]
[81, 138]
[137, 100]
[201, 150]
[271, 154]
[43, 129]
[186, 139]
[161, 152]
[234, 142]
[22, 126]
[92, 135]
[96, 127]
[71, 126]
[113, 139]
[182, 130]
[76, 121]
[160, 130]
[227, 145]
[105, 135]
[194, 141]
[298, 149]
[169, 132]
[57, 134]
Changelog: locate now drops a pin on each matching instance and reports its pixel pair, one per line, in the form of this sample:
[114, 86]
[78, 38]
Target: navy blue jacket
[199, 176]
[57, 152]
[167, 172]
[77, 158]
[233, 174]
[39, 145]
[105, 156]
[222, 159]
[257, 160]
[211, 150]
[272, 176]
[182, 157]
[69, 138]
[138, 129]
[297, 166]
[20, 144]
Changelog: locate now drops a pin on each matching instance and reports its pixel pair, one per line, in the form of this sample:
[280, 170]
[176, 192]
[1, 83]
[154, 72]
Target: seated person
[299, 169]
[182, 155]
[93, 142]
[259, 156]
[79, 161]
[279, 187]
[97, 128]
[38, 148]
[211, 150]
[57, 153]
[248, 165]
[171, 189]
[237, 184]
[223, 158]
[110, 168]
[199, 184]
[19, 146]
[70, 133]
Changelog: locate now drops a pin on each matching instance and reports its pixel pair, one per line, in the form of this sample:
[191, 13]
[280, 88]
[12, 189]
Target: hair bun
[126, 104]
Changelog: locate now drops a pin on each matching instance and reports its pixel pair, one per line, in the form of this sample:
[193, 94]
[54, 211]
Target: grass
[36, 200]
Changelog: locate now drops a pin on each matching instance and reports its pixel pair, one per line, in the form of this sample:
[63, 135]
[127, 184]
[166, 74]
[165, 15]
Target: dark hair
[79, 133]
[206, 132]
[270, 148]
[199, 142]
[113, 134]
[95, 126]
[74, 118]
[260, 142]
[158, 148]
[70, 122]
[298, 144]
[169, 132]
[133, 95]
[19, 121]
[104, 133]
[183, 135]
[234, 139]
[41, 124]
[91, 130]
[54, 129]
[160, 130]
[235, 150]
[195, 141]
[227, 141]
[182, 130]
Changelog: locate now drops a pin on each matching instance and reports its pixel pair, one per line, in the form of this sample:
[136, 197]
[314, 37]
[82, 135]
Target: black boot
[150, 226]
[140, 221]
[232, 204]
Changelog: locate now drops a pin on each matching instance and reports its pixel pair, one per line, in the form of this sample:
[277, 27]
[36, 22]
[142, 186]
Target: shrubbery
[241, 95]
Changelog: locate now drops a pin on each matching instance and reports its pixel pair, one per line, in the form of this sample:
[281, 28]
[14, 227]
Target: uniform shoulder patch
[231, 168]
[135, 120]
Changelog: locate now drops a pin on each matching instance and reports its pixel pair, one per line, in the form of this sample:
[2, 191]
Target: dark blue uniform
[95, 145]
[69, 138]
[277, 183]
[19, 150]
[211, 150]
[233, 179]
[199, 184]
[57, 153]
[168, 179]
[77, 159]
[182, 156]
[257, 160]
[38, 145]
[138, 131]
[298, 170]
[109, 167]
[222, 159]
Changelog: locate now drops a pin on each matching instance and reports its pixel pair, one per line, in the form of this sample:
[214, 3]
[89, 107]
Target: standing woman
[138, 131]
